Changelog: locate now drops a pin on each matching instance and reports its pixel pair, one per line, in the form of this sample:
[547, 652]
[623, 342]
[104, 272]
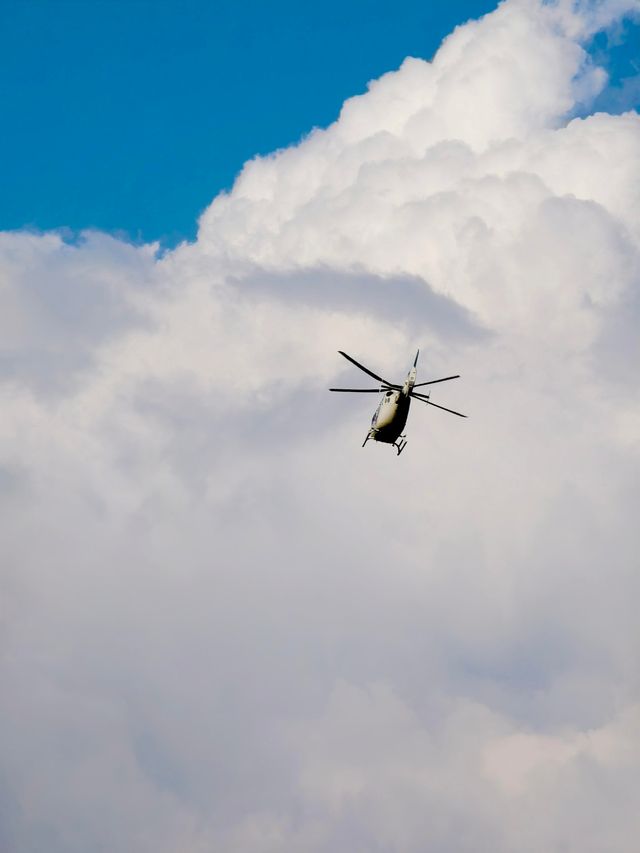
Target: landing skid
[400, 446]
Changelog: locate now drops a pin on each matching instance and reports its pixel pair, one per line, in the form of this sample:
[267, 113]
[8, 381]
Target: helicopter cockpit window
[389, 393]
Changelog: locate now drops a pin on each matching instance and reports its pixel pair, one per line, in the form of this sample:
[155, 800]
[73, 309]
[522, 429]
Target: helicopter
[390, 417]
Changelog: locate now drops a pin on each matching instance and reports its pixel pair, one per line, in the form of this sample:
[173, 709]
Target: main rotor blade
[361, 390]
[444, 408]
[366, 369]
[433, 381]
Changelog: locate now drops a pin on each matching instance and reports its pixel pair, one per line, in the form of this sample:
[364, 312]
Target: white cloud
[228, 627]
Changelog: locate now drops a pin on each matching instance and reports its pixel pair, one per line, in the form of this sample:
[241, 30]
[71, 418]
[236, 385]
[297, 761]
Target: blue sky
[132, 116]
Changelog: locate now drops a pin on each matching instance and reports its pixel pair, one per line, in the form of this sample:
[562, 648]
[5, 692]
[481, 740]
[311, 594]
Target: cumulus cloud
[61, 299]
[226, 626]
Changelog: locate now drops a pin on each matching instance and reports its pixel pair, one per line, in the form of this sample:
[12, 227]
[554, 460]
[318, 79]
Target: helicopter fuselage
[390, 417]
